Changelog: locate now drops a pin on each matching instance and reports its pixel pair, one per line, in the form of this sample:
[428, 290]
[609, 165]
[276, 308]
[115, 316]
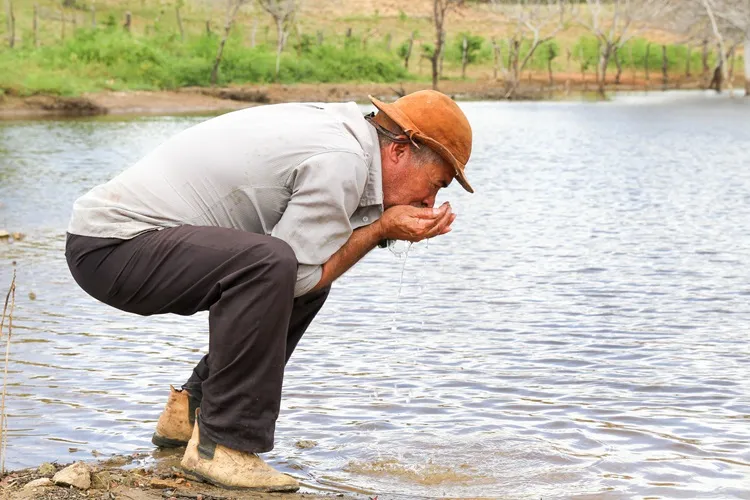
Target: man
[251, 216]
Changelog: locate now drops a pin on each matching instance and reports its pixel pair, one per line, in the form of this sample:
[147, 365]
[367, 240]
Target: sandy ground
[212, 100]
[121, 478]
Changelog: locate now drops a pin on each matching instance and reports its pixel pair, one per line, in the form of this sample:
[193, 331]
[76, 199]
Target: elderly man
[251, 216]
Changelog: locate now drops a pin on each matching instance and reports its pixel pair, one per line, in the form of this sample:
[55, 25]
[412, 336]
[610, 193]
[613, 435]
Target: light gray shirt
[308, 174]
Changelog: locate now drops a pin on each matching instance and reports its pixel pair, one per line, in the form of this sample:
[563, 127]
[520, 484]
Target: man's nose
[429, 202]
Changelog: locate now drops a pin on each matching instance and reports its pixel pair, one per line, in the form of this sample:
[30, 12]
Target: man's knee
[281, 260]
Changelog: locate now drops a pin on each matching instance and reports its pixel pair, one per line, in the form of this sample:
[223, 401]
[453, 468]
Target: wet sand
[125, 477]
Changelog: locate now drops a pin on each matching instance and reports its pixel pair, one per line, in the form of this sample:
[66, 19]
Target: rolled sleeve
[326, 190]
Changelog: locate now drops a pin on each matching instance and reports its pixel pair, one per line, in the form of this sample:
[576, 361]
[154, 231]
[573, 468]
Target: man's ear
[399, 151]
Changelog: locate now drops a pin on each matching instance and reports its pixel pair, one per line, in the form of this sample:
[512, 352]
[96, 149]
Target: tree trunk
[567, 71]
[253, 34]
[687, 63]
[583, 69]
[732, 51]
[279, 45]
[549, 71]
[503, 68]
[648, 53]
[231, 14]
[36, 26]
[442, 57]
[746, 63]
[320, 37]
[436, 57]
[128, 20]
[513, 69]
[618, 63]
[208, 27]
[495, 59]
[605, 53]
[408, 51]
[11, 25]
[704, 60]
[179, 23]
[434, 60]
[464, 57]
[388, 40]
[716, 82]
[664, 68]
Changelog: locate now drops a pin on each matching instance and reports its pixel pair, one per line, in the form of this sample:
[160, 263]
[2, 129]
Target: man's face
[407, 183]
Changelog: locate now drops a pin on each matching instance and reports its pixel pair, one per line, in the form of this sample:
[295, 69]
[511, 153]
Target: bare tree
[439, 9]
[615, 22]
[233, 7]
[730, 20]
[535, 22]
[11, 19]
[283, 12]
[727, 22]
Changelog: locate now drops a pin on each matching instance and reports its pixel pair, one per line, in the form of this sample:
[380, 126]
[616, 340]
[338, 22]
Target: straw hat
[432, 118]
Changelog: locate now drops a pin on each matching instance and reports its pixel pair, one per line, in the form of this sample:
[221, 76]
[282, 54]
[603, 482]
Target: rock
[101, 480]
[38, 483]
[46, 469]
[18, 236]
[32, 296]
[4, 235]
[77, 475]
[304, 444]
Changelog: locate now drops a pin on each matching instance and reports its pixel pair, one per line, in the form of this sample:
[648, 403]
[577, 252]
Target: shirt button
[365, 219]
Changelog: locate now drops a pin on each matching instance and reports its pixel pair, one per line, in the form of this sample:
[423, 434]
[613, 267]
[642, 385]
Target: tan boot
[231, 469]
[175, 424]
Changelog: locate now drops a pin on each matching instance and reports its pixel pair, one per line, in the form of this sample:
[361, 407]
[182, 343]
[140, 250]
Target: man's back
[234, 171]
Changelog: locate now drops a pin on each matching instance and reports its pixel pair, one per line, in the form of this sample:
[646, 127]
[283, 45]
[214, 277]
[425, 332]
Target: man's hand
[413, 224]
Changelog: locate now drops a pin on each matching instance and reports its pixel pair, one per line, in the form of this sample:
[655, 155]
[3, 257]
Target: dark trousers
[246, 282]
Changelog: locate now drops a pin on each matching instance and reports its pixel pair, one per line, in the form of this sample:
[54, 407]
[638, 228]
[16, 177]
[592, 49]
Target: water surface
[583, 331]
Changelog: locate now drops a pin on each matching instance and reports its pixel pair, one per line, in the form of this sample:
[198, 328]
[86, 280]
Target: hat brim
[413, 132]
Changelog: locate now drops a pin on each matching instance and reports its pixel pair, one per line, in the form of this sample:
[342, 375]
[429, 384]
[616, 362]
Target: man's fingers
[445, 221]
[431, 213]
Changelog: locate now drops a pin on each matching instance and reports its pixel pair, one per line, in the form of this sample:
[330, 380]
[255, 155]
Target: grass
[110, 58]
[154, 56]
[3, 417]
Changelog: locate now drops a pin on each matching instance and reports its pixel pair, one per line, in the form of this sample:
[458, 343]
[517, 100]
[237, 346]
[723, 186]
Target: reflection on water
[581, 332]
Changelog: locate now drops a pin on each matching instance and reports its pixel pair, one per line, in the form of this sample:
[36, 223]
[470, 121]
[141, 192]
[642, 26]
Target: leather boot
[175, 424]
[231, 469]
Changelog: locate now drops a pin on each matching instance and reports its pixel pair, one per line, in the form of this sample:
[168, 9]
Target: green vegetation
[71, 59]
[113, 59]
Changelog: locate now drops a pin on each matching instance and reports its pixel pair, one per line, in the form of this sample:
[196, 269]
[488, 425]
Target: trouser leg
[245, 281]
[304, 310]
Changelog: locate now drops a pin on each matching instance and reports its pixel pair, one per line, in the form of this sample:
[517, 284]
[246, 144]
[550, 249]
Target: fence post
[464, 57]
[36, 26]
[128, 20]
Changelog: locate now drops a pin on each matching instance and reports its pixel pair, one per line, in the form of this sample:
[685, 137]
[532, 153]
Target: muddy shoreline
[197, 100]
[139, 477]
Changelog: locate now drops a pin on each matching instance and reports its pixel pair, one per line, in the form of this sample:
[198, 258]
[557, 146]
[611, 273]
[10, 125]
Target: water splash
[401, 253]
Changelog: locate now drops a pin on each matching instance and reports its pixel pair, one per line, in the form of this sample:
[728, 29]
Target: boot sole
[165, 442]
[200, 477]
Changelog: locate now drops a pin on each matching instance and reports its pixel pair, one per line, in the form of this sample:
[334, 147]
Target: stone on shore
[4, 235]
[77, 475]
[38, 483]
[46, 469]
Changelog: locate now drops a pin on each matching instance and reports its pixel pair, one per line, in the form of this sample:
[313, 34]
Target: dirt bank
[125, 477]
[212, 100]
